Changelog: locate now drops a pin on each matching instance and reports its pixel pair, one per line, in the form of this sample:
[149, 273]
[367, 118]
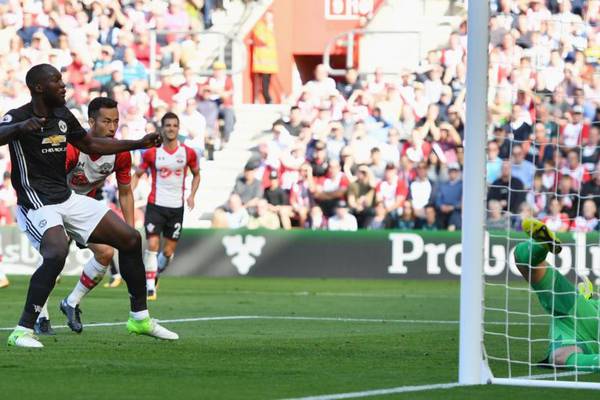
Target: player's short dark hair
[168, 115]
[38, 74]
[98, 103]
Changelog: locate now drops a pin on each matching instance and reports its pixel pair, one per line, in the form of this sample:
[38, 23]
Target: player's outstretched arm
[8, 130]
[99, 145]
[530, 255]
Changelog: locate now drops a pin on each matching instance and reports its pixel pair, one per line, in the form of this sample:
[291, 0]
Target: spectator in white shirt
[539, 51]
[390, 151]
[536, 14]
[342, 220]
[335, 142]
[521, 168]
[565, 16]
[322, 86]
[573, 129]
[433, 85]
[554, 73]
[588, 221]
[236, 215]
[193, 126]
[420, 190]
[317, 220]
[406, 89]
[279, 144]
[189, 89]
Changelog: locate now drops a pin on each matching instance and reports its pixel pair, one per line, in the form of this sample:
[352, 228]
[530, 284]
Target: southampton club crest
[150, 227]
[105, 168]
[244, 252]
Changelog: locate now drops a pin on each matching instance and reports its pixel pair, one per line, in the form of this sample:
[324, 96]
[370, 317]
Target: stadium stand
[390, 149]
[363, 151]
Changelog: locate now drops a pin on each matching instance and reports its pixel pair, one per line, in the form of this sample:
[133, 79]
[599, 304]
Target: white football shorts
[78, 215]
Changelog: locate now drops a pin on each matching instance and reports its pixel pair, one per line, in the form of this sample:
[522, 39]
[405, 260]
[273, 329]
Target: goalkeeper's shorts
[574, 318]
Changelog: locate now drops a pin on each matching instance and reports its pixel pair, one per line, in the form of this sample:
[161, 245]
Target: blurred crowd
[386, 151]
[359, 151]
[102, 47]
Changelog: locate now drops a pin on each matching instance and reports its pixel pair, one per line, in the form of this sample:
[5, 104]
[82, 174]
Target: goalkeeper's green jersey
[575, 318]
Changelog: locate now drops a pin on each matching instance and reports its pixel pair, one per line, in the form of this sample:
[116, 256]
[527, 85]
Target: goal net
[542, 160]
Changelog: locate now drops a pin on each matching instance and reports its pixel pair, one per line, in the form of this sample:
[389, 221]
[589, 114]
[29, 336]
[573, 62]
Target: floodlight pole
[473, 211]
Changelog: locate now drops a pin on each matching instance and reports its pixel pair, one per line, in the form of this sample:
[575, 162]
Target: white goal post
[473, 362]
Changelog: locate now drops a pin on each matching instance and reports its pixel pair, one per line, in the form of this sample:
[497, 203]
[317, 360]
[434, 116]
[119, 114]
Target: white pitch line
[334, 294]
[556, 375]
[292, 318]
[422, 388]
[341, 294]
[380, 392]
[265, 317]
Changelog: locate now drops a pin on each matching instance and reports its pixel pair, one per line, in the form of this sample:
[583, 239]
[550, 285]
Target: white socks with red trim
[92, 274]
[151, 265]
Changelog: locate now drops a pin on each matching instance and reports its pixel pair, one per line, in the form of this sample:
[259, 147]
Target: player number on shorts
[177, 231]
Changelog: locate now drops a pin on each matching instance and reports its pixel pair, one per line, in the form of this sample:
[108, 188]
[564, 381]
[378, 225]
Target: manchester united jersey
[86, 173]
[168, 169]
[38, 158]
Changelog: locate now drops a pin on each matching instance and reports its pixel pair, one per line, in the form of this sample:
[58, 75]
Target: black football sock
[113, 268]
[134, 274]
[40, 285]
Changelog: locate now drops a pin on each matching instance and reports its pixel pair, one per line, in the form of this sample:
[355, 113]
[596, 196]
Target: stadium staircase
[426, 25]
[252, 121]
[218, 175]
[238, 19]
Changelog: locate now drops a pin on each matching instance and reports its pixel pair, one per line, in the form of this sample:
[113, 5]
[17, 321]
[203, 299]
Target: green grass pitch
[265, 358]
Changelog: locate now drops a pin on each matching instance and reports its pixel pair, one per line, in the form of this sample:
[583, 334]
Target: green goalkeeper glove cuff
[588, 362]
[530, 253]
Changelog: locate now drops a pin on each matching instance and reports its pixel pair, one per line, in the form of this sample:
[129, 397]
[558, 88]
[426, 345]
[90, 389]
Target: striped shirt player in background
[86, 174]
[168, 166]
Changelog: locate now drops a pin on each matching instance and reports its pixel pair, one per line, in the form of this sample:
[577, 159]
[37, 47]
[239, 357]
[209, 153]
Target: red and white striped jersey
[86, 173]
[388, 192]
[168, 170]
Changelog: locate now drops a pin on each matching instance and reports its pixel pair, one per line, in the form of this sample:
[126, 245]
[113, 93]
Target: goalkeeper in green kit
[574, 329]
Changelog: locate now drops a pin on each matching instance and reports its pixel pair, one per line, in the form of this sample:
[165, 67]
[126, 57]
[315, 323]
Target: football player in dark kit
[37, 134]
